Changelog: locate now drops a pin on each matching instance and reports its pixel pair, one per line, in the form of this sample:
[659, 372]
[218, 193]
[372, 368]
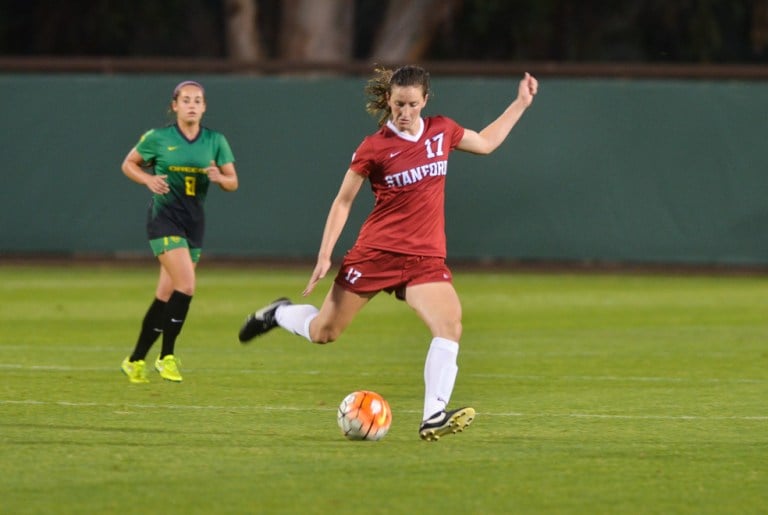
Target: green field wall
[597, 170]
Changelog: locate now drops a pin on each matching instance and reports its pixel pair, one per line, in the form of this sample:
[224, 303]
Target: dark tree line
[681, 31]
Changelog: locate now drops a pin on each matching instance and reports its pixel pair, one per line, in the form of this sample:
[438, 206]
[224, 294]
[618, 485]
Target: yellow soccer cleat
[169, 368]
[135, 370]
[445, 423]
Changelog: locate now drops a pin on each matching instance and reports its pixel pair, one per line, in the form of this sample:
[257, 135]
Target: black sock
[151, 328]
[175, 313]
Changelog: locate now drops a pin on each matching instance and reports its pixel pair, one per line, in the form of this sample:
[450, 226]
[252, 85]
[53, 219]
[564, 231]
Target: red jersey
[407, 175]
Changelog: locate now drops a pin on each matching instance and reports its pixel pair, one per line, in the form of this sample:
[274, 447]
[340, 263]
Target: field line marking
[527, 377]
[70, 404]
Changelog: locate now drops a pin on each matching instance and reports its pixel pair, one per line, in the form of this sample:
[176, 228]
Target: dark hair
[380, 86]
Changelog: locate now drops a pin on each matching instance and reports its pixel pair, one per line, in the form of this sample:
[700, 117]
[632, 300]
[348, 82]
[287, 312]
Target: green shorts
[166, 243]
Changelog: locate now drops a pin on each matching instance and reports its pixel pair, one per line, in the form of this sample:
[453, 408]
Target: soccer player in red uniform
[401, 246]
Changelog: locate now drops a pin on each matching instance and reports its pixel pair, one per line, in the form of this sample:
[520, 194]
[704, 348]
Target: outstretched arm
[337, 218]
[488, 139]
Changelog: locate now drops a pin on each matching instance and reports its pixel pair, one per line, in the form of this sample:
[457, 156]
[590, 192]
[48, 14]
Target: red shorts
[366, 270]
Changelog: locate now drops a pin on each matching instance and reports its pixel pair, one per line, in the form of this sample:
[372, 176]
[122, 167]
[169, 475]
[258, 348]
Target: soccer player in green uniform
[177, 164]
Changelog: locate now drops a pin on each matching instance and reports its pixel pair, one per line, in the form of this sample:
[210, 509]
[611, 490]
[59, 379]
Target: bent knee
[185, 287]
[324, 334]
[187, 290]
[165, 293]
[324, 337]
[450, 330]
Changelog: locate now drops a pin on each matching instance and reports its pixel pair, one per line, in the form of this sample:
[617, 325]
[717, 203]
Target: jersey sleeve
[363, 161]
[224, 153]
[147, 146]
[455, 130]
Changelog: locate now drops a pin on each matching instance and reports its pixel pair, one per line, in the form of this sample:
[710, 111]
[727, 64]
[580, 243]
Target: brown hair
[380, 86]
[181, 84]
[176, 92]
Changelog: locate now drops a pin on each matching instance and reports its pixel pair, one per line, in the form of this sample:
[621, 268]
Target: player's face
[406, 103]
[189, 105]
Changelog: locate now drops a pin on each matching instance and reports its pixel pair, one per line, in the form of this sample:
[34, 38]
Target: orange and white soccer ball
[364, 415]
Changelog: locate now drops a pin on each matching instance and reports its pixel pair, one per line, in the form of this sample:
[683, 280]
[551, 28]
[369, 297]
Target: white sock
[440, 371]
[296, 318]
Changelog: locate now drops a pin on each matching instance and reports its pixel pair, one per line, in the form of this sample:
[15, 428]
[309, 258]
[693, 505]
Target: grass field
[595, 394]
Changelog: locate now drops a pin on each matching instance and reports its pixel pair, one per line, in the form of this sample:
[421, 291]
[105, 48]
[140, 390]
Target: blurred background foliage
[674, 31]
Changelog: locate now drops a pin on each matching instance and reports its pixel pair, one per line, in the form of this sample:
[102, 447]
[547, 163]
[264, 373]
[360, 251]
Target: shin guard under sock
[175, 314]
[151, 328]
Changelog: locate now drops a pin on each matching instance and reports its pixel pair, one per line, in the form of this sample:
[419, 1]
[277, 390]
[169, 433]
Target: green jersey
[180, 211]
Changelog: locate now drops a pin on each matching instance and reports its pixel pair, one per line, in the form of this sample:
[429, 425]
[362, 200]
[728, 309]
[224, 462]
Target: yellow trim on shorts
[166, 243]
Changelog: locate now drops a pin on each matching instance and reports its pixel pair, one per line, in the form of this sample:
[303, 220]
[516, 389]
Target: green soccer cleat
[169, 368]
[446, 422]
[135, 370]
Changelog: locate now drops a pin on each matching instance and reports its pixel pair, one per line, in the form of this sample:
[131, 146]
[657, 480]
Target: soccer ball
[364, 415]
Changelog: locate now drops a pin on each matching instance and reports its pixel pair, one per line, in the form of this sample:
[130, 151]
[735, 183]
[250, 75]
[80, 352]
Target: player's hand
[157, 184]
[528, 88]
[214, 173]
[321, 268]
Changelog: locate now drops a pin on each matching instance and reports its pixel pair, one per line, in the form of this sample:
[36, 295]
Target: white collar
[405, 135]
